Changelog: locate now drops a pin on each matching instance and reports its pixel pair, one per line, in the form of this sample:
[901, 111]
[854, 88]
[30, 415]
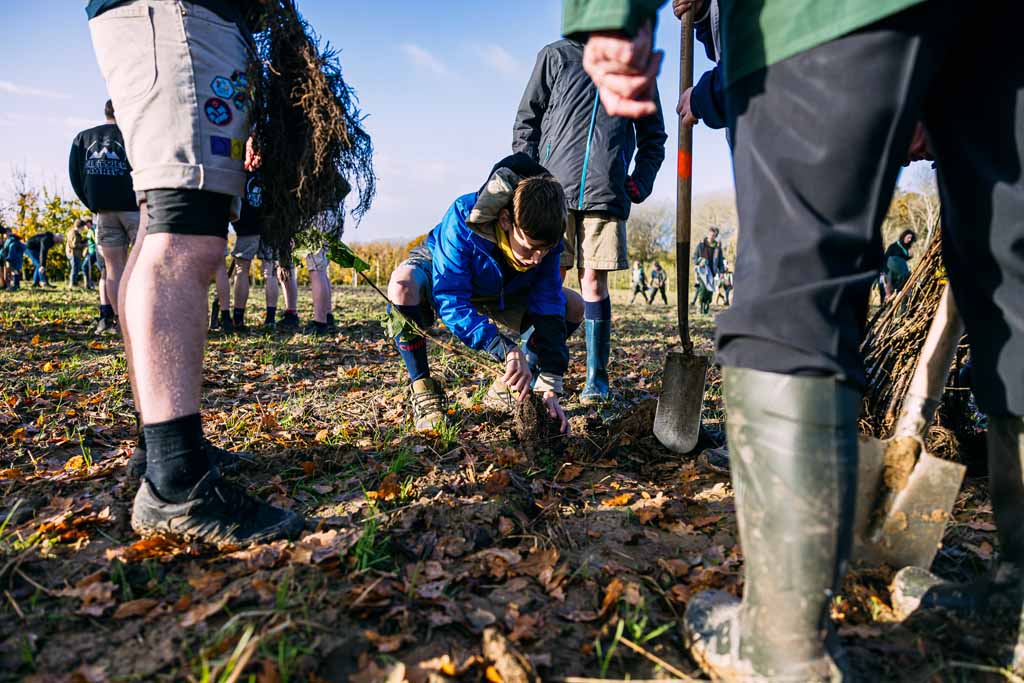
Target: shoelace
[426, 401]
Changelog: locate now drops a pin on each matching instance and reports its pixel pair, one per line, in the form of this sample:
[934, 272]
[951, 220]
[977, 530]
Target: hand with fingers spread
[252, 158]
[555, 410]
[624, 70]
[517, 372]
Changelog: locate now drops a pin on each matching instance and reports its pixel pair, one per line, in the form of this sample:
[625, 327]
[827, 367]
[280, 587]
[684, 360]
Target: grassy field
[457, 556]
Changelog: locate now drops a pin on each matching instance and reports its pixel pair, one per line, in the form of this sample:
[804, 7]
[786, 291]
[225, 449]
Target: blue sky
[440, 82]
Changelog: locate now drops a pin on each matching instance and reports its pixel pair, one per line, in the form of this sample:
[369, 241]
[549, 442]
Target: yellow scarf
[505, 247]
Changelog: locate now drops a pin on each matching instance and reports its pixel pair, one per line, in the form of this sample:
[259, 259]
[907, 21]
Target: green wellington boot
[598, 335]
[793, 455]
[1001, 594]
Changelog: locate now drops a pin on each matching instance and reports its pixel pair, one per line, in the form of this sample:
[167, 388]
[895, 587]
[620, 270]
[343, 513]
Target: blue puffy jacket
[467, 273]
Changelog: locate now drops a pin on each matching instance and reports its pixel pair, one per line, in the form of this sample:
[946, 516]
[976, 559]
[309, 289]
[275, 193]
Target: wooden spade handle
[684, 169]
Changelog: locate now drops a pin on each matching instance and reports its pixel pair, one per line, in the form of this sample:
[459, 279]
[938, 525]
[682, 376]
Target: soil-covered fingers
[556, 412]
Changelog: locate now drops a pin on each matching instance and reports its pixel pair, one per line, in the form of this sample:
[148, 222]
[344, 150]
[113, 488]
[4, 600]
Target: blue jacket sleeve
[707, 101]
[547, 308]
[453, 290]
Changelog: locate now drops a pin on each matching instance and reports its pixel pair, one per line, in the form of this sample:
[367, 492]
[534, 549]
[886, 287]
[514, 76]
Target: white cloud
[15, 89]
[424, 58]
[500, 60]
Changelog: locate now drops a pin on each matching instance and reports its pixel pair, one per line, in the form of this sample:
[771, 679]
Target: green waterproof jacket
[754, 35]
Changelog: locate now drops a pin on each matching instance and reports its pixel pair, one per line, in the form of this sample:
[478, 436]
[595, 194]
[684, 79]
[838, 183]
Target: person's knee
[573, 306]
[403, 289]
[594, 284]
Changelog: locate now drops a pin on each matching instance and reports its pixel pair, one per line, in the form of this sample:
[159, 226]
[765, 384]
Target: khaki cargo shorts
[115, 229]
[176, 73]
[596, 240]
[316, 261]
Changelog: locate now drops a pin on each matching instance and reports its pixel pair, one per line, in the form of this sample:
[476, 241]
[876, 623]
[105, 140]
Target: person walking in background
[101, 177]
[247, 245]
[38, 249]
[89, 260]
[897, 265]
[12, 255]
[74, 250]
[561, 125]
[708, 265]
[639, 282]
[658, 282]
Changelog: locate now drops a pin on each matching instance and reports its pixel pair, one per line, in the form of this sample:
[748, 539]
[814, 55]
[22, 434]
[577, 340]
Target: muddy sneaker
[106, 326]
[715, 459]
[428, 404]
[499, 396]
[216, 512]
[915, 588]
[226, 462]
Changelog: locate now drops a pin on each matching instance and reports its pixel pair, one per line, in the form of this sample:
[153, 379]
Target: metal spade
[677, 420]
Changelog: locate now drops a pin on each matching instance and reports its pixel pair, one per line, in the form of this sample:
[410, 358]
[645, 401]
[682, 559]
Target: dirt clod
[531, 422]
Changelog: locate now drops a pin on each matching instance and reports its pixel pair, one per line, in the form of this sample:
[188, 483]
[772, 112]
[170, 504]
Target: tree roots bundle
[307, 129]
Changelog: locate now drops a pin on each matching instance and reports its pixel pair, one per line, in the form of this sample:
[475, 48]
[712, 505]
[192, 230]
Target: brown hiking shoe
[499, 396]
[428, 404]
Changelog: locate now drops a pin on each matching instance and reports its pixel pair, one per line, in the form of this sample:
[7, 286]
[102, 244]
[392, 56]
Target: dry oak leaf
[612, 593]
[388, 490]
[386, 644]
[96, 596]
[324, 545]
[568, 473]
[135, 608]
[497, 483]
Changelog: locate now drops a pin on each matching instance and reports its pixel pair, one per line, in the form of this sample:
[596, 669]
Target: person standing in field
[897, 264]
[101, 177]
[658, 282]
[824, 100]
[170, 69]
[561, 126]
[639, 282]
[74, 250]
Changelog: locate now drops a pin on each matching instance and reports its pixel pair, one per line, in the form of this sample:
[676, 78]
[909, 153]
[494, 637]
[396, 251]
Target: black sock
[175, 457]
[106, 311]
[271, 313]
[239, 316]
[140, 443]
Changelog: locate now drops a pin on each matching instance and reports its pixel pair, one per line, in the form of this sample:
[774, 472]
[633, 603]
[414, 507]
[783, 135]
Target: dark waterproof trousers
[818, 143]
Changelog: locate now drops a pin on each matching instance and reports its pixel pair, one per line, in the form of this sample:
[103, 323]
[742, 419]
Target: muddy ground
[463, 555]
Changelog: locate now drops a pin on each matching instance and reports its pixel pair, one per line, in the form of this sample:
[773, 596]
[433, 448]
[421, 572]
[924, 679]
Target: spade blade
[677, 421]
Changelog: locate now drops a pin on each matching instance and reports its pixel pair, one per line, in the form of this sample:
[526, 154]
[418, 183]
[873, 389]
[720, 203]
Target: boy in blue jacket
[493, 260]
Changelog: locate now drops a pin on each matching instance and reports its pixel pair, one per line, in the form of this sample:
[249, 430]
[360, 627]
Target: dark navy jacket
[707, 101]
[562, 125]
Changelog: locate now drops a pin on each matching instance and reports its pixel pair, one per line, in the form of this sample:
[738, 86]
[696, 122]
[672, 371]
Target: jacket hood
[496, 193]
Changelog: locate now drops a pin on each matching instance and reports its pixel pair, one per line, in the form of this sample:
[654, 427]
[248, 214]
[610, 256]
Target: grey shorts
[176, 74]
[246, 247]
[116, 228]
[421, 262]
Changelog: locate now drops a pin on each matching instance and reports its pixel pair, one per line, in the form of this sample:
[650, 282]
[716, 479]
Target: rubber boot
[1001, 594]
[793, 448]
[598, 344]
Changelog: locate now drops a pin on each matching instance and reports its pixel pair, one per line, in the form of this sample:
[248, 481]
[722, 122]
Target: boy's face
[528, 252]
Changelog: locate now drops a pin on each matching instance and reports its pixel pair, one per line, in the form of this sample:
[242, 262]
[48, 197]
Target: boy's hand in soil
[555, 410]
[517, 372]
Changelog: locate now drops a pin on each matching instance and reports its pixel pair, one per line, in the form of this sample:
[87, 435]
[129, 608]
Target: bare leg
[271, 286]
[291, 291]
[241, 282]
[321, 295]
[223, 286]
[120, 295]
[167, 321]
[115, 259]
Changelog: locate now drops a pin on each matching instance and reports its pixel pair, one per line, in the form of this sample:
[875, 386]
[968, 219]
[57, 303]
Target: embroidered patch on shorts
[217, 111]
[220, 147]
[241, 101]
[237, 149]
[222, 87]
[240, 80]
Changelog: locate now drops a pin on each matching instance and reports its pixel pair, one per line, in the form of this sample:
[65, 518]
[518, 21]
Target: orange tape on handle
[685, 164]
